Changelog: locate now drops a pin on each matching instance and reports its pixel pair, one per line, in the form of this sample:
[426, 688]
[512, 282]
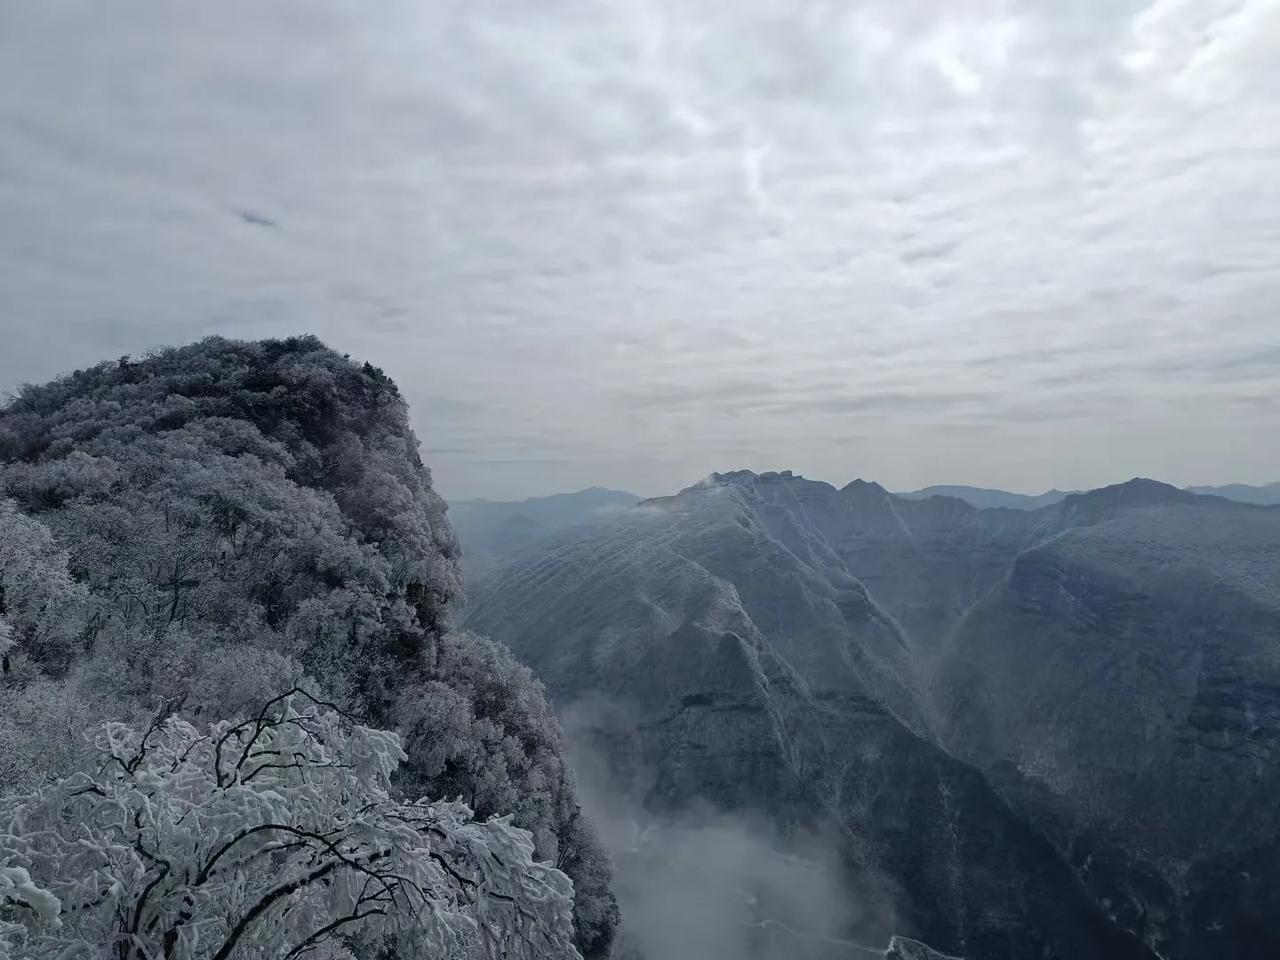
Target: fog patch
[702, 883]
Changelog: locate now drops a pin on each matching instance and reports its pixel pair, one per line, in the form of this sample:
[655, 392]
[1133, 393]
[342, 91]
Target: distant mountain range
[490, 530]
[1049, 732]
[1268, 494]
[985, 498]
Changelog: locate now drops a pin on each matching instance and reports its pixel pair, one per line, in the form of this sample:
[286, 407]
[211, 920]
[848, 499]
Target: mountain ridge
[990, 497]
[872, 605]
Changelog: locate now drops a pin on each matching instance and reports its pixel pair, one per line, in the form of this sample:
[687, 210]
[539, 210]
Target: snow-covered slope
[1121, 684]
[729, 654]
[1041, 731]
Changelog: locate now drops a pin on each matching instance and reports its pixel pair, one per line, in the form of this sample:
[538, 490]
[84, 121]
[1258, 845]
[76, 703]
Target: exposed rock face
[1042, 733]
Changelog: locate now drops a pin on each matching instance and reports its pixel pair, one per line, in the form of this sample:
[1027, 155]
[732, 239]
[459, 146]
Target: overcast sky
[629, 242]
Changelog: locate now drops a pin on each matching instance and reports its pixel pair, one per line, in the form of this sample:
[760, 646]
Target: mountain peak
[1138, 492]
[750, 476]
[864, 490]
[746, 479]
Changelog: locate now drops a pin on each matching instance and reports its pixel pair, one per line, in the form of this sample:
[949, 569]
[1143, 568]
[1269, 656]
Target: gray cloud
[628, 240]
[256, 219]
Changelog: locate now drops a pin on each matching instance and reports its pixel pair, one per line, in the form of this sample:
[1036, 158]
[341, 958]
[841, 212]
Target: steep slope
[243, 517]
[1123, 682]
[926, 561]
[738, 661]
[1104, 667]
[1063, 718]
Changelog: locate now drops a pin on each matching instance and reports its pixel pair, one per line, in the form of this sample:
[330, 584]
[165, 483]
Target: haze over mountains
[1045, 732]
[494, 528]
[1268, 493]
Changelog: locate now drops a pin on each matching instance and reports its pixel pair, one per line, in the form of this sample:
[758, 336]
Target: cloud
[256, 219]
[610, 229]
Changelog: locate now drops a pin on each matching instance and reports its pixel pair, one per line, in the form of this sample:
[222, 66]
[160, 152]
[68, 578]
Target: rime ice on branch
[274, 836]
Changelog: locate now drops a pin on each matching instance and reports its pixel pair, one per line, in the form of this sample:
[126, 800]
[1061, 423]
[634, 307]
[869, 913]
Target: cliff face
[1019, 720]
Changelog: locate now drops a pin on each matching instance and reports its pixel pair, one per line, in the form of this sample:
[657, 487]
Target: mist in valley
[702, 882]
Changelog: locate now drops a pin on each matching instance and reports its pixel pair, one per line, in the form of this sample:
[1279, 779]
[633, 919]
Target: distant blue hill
[1267, 494]
[491, 530]
[985, 498]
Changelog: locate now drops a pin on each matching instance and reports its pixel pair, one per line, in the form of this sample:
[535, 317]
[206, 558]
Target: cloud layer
[1007, 243]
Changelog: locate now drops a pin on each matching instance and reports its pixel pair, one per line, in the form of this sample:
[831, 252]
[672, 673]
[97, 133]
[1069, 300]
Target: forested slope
[214, 524]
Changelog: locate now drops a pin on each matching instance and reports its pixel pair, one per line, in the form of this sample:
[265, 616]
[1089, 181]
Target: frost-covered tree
[478, 724]
[42, 615]
[40, 605]
[246, 514]
[271, 837]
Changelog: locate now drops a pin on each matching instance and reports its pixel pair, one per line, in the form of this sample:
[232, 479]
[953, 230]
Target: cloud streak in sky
[1009, 243]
